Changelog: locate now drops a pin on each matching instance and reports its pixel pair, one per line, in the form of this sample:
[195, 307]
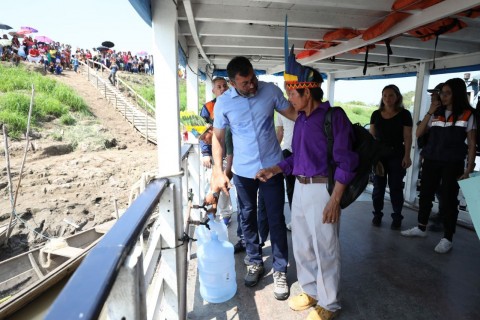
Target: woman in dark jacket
[449, 124]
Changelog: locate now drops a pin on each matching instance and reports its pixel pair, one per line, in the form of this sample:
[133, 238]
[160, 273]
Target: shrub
[47, 105]
[15, 102]
[15, 122]
[359, 111]
[67, 120]
[67, 96]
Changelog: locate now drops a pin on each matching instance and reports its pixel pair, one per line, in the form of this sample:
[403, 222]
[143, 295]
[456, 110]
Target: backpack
[369, 152]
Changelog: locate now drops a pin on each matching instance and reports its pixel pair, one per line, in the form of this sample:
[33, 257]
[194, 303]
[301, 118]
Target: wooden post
[9, 176]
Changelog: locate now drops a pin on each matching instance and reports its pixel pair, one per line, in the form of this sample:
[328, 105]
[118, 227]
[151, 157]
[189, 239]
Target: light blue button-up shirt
[255, 144]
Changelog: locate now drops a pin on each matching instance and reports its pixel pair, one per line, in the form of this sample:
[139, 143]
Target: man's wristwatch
[215, 195]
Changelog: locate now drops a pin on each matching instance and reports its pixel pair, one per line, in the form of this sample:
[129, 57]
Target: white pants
[316, 245]
[34, 59]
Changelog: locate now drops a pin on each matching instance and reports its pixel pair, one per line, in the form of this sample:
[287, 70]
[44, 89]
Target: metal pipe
[181, 251]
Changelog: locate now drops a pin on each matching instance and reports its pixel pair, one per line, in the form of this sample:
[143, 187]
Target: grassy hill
[53, 100]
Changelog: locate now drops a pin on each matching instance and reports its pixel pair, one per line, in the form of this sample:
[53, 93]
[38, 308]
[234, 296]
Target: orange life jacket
[471, 13]
[312, 47]
[210, 105]
[436, 28]
[342, 33]
[318, 45]
[413, 4]
[362, 49]
[383, 26]
[305, 53]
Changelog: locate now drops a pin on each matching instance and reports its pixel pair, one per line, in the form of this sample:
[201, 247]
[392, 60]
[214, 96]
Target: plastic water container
[203, 234]
[219, 227]
[216, 269]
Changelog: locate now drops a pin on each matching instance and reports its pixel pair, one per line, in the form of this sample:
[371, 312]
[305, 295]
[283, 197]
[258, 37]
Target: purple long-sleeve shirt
[309, 146]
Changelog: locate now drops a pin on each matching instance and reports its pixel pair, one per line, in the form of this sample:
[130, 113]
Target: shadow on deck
[384, 276]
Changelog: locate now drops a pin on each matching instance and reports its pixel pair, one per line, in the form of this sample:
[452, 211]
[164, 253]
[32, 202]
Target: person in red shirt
[34, 55]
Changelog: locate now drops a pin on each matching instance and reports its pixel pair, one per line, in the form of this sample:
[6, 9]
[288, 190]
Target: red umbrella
[23, 32]
[30, 29]
[43, 39]
[15, 33]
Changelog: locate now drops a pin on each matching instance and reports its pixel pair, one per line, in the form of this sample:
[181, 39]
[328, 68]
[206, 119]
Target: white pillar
[330, 89]
[208, 90]
[422, 100]
[165, 45]
[192, 80]
[164, 25]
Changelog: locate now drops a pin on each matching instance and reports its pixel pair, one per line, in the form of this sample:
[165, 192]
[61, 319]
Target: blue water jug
[203, 234]
[216, 269]
[219, 227]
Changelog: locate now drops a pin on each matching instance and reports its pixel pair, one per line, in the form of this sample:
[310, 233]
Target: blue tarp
[143, 9]
[182, 58]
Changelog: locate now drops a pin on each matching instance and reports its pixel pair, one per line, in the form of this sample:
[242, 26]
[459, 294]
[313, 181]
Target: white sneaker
[414, 232]
[280, 286]
[443, 246]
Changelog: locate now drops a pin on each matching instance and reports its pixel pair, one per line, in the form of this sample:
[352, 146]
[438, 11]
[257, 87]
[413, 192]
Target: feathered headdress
[296, 76]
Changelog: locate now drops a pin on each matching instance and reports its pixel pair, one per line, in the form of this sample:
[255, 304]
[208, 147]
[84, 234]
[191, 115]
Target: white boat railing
[130, 276]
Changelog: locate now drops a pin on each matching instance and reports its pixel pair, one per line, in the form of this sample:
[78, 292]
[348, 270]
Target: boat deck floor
[384, 276]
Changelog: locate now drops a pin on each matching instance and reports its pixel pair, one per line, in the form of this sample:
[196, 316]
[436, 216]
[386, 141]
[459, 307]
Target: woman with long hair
[449, 123]
[392, 125]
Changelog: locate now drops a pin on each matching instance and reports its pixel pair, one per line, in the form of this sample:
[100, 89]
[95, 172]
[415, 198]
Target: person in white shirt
[284, 130]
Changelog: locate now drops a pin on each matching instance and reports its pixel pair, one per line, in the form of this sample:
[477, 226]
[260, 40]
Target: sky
[87, 23]
[84, 24]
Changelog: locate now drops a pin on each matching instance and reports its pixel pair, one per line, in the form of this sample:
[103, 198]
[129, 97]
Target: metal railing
[138, 114]
[145, 105]
[125, 278]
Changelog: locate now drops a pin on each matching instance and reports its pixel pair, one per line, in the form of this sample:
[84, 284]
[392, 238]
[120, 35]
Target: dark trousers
[289, 180]
[273, 192]
[262, 220]
[442, 176]
[394, 173]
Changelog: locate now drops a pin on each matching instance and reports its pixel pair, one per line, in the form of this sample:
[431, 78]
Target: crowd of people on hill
[56, 56]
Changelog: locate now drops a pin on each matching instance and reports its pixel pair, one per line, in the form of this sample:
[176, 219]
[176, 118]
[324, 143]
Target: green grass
[146, 89]
[51, 99]
[357, 111]
[67, 120]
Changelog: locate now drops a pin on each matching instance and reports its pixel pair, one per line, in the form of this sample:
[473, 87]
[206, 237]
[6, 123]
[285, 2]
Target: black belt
[315, 179]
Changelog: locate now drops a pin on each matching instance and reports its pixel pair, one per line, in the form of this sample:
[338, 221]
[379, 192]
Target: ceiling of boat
[222, 29]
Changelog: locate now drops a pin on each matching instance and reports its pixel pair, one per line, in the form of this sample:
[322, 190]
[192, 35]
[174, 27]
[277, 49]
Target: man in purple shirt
[315, 213]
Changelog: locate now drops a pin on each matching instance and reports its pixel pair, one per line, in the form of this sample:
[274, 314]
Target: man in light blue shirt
[248, 108]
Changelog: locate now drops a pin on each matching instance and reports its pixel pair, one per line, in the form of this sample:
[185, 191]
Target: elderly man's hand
[265, 174]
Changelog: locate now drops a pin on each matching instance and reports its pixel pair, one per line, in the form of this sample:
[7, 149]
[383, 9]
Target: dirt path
[78, 186]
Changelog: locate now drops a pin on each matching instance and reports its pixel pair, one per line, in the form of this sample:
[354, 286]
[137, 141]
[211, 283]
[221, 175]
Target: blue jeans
[273, 193]
[262, 220]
